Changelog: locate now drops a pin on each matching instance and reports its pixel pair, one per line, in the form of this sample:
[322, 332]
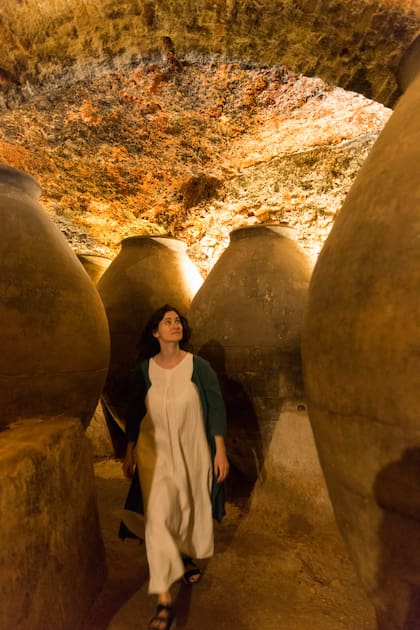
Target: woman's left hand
[221, 462]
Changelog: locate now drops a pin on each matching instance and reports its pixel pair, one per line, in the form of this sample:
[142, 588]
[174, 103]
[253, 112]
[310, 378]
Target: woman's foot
[163, 619]
[192, 572]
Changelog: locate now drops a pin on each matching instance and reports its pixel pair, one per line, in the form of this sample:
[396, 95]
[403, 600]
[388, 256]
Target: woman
[175, 431]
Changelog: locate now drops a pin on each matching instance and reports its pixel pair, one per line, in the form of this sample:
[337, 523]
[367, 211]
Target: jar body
[246, 321]
[54, 332]
[149, 272]
[362, 363]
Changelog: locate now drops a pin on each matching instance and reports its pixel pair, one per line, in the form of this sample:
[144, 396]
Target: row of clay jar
[67, 340]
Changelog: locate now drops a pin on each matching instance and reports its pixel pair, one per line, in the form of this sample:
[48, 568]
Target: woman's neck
[169, 356]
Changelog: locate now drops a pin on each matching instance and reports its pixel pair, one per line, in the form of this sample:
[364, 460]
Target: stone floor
[292, 581]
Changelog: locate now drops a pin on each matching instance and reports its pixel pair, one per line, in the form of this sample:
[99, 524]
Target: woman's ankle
[165, 599]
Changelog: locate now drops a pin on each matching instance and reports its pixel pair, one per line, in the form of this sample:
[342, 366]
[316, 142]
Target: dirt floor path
[254, 581]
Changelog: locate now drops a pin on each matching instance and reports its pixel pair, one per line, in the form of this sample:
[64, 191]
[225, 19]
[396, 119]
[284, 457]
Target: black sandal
[192, 575]
[168, 619]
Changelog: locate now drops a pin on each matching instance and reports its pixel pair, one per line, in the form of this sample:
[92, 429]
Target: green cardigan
[214, 413]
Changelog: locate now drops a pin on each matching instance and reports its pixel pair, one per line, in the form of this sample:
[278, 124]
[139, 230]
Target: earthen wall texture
[355, 44]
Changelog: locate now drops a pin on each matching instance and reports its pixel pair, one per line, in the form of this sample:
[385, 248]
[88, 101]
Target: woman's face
[169, 328]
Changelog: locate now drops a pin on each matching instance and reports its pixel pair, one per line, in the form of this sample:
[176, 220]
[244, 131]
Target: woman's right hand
[128, 463]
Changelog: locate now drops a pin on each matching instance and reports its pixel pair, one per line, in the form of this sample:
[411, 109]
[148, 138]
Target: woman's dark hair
[148, 345]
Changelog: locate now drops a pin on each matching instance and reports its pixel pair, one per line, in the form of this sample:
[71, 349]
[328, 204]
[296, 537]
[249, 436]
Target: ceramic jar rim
[409, 66]
[163, 239]
[280, 229]
[11, 176]
[91, 255]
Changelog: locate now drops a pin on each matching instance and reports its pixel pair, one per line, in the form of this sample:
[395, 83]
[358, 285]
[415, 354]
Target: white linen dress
[175, 472]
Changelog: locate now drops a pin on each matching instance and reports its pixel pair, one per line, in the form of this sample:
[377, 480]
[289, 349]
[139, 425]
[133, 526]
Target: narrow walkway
[255, 580]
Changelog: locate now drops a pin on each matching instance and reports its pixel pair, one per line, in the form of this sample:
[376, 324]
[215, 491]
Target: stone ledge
[52, 558]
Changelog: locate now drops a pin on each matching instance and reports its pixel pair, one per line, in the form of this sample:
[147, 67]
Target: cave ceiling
[190, 117]
[354, 44]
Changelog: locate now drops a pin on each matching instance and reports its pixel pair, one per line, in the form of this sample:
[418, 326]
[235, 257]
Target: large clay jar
[148, 272]
[246, 321]
[94, 265]
[53, 335]
[361, 354]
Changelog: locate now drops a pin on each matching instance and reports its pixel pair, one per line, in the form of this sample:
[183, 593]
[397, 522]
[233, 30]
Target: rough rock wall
[356, 44]
[194, 153]
[52, 559]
